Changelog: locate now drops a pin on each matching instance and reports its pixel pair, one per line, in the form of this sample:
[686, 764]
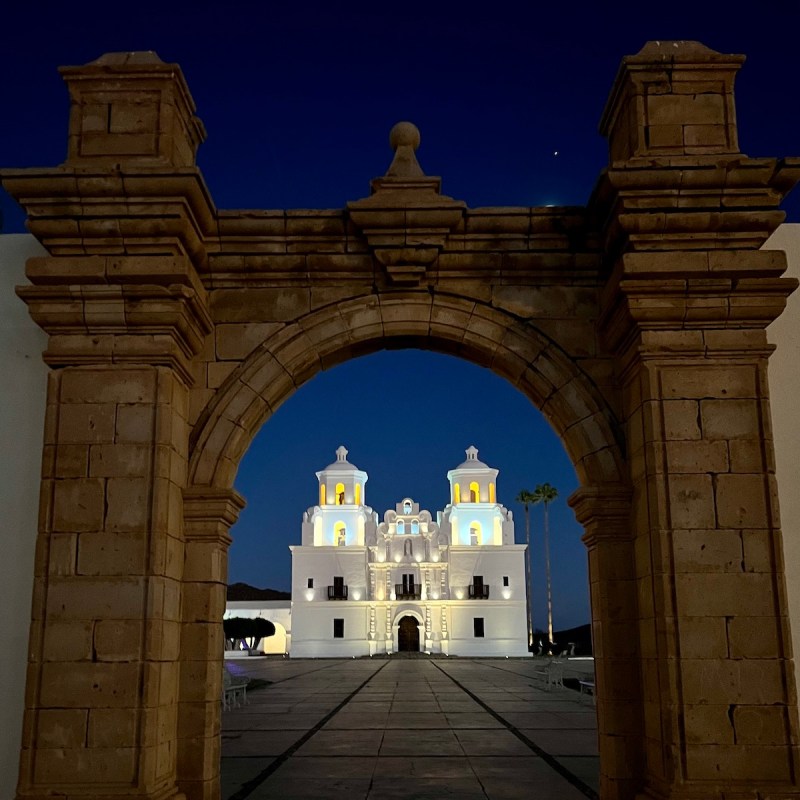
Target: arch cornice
[475, 331]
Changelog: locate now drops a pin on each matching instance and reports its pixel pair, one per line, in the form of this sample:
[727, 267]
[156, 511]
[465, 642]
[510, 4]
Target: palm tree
[545, 493]
[527, 499]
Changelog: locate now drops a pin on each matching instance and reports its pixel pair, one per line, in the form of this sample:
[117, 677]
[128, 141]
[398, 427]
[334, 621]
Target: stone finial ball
[404, 133]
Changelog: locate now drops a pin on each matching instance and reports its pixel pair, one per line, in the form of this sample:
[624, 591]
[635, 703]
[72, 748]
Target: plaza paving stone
[416, 728]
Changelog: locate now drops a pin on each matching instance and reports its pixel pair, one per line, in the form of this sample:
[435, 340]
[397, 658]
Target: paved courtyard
[411, 728]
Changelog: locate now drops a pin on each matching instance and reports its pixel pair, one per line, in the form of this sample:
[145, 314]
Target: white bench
[233, 689]
[587, 688]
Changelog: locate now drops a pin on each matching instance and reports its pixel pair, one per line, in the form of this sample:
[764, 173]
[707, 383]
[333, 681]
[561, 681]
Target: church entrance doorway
[408, 635]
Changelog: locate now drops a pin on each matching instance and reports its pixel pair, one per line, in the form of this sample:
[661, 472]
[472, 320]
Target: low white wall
[22, 405]
[784, 385]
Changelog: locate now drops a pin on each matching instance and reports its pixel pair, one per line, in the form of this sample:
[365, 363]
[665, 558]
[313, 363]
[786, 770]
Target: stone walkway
[407, 728]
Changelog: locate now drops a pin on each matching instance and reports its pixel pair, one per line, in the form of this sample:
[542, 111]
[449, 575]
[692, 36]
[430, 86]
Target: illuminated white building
[364, 587]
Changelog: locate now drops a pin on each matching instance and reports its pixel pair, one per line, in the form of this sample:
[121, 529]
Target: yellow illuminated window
[339, 494]
[358, 494]
[491, 493]
[475, 536]
[474, 492]
[339, 534]
[456, 493]
[322, 494]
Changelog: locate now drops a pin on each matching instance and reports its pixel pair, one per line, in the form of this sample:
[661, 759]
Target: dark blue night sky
[298, 100]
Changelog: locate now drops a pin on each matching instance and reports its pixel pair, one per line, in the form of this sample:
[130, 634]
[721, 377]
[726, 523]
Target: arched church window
[414, 526]
[339, 494]
[456, 493]
[406, 507]
[358, 494]
[322, 494]
[401, 526]
[474, 492]
[492, 498]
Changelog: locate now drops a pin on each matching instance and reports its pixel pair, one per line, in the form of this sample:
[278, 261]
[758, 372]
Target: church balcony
[337, 592]
[408, 591]
[478, 591]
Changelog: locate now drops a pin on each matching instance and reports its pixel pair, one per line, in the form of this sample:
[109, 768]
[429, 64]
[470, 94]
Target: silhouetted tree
[248, 630]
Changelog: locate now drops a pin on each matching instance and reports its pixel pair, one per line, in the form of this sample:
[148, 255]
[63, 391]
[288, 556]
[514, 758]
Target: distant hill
[243, 592]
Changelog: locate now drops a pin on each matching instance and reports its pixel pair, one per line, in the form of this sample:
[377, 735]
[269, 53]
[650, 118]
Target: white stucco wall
[22, 404]
[784, 384]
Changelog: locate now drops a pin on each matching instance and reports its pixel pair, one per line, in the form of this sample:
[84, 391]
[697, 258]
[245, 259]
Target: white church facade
[454, 585]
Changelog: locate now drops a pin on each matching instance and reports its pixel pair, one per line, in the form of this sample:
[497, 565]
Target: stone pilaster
[684, 312]
[208, 517]
[605, 513]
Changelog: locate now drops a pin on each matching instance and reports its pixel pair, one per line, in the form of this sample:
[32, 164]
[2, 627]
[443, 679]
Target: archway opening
[525, 449]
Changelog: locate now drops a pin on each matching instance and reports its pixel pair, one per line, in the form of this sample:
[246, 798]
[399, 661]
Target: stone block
[691, 383]
[761, 725]
[134, 424]
[60, 727]
[728, 682]
[681, 419]
[71, 461]
[703, 637]
[751, 455]
[112, 727]
[741, 501]
[727, 594]
[92, 766]
[128, 504]
[730, 419]
[707, 551]
[108, 385]
[708, 724]
[759, 550]
[78, 505]
[694, 456]
[691, 501]
[760, 765]
[234, 342]
[685, 110]
[119, 460]
[90, 685]
[67, 640]
[754, 637]
[61, 558]
[118, 553]
[202, 641]
[86, 423]
[163, 640]
[217, 373]
[118, 640]
[203, 602]
[86, 598]
[259, 304]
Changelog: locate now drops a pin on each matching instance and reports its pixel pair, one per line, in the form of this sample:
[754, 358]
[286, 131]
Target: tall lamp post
[527, 498]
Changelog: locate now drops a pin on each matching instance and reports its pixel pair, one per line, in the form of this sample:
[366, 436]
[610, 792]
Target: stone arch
[477, 332]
